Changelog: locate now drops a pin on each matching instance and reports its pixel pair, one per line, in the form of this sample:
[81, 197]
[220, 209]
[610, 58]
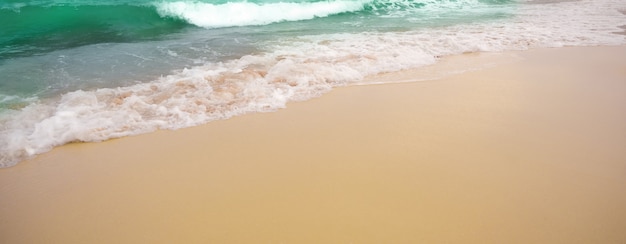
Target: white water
[245, 13]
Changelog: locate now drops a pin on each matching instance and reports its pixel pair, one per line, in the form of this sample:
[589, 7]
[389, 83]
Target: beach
[527, 149]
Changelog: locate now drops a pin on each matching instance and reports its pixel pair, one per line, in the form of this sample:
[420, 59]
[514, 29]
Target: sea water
[86, 70]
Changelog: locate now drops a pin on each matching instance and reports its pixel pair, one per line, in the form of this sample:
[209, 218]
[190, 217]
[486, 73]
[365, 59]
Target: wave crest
[230, 14]
[246, 13]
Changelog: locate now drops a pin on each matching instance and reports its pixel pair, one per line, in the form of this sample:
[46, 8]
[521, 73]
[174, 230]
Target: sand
[529, 150]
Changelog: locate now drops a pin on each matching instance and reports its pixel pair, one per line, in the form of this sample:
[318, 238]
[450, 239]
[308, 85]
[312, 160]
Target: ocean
[87, 71]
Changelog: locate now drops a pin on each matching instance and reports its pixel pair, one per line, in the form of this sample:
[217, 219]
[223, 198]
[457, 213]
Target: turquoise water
[37, 27]
[95, 70]
[51, 47]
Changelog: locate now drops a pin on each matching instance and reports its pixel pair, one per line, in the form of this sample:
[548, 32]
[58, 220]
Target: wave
[229, 14]
[247, 13]
[35, 27]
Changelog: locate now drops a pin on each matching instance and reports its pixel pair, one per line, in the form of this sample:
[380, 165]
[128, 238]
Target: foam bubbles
[246, 13]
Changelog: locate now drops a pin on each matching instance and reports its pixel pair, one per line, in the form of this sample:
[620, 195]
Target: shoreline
[529, 150]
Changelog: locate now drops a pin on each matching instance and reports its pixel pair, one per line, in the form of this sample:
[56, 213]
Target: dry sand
[530, 151]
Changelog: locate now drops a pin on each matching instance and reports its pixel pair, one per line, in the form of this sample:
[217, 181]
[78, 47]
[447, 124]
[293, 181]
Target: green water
[38, 29]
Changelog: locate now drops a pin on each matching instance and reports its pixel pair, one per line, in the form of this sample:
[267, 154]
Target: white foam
[246, 13]
[294, 70]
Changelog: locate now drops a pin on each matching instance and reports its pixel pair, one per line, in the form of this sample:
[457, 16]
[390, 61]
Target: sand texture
[531, 150]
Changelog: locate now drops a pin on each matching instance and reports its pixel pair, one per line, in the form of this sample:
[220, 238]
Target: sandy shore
[532, 150]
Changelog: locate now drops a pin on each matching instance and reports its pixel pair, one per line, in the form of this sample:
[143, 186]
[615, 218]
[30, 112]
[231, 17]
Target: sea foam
[247, 13]
[210, 15]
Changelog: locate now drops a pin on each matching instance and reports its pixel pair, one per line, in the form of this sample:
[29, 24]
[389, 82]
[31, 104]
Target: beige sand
[531, 151]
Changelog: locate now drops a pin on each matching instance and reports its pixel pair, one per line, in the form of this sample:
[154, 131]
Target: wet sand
[531, 150]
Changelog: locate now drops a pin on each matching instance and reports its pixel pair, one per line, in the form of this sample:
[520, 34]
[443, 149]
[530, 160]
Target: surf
[36, 27]
[247, 13]
[244, 13]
